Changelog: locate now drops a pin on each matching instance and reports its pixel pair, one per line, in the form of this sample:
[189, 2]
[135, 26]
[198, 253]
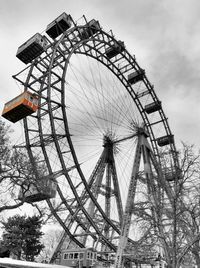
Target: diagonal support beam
[129, 205]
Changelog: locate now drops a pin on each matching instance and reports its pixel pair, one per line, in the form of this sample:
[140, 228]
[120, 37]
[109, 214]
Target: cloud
[164, 36]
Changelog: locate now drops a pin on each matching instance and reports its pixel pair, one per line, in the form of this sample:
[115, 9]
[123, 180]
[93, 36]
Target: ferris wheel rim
[137, 102]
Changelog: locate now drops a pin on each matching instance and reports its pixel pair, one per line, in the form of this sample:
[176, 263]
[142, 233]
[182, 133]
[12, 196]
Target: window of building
[71, 256]
[65, 256]
[76, 255]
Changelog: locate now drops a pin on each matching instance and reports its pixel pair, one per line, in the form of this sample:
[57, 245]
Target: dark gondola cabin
[165, 140]
[136, 76]
[89, 29]
[172, 173]
[42, 189]
[152, 107]
[59, 25]
[32, 48]
[21, 106]
[115, 49]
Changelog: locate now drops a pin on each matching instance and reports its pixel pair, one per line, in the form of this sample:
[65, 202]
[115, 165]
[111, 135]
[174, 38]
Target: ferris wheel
[96, 136]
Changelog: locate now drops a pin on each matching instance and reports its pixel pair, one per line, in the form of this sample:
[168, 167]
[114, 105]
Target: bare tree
[190, 208]
[11, 171]
[173, 221]
[50, 241]
[15, 171]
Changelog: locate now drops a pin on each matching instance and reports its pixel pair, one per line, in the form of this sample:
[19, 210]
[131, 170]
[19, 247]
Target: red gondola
[21, 106]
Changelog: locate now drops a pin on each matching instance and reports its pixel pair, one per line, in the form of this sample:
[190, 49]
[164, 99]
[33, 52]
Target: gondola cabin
[80, 257]
[152, 107]
[136, 76]
[21, 106]
[59, 25]
[32, 48]
[165, 140]
[42, 189]
[115, 49]
[89, 29]
[172, 173]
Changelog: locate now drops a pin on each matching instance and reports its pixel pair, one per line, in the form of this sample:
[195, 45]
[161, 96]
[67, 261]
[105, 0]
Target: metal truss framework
[86, 222]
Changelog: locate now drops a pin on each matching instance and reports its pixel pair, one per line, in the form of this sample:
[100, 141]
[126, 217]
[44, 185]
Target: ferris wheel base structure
[72, 113]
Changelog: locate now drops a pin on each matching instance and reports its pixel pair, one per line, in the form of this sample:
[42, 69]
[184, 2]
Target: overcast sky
[163, 34]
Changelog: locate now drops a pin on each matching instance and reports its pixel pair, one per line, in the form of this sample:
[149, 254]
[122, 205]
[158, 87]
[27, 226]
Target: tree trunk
[19, 255]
